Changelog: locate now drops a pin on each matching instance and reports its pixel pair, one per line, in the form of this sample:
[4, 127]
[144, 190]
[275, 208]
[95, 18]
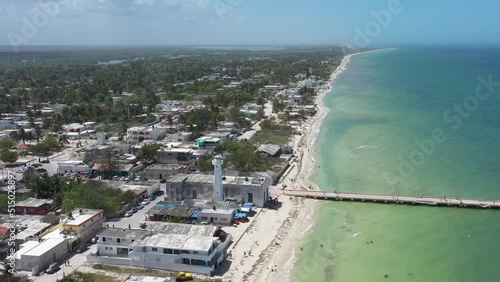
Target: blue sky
[260, 22]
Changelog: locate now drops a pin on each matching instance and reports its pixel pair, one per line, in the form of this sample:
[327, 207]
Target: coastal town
[184, 184]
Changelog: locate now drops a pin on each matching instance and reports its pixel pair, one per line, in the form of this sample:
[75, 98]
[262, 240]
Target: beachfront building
[167, 246]
[33, 206]
[216, 216]
[246, 189]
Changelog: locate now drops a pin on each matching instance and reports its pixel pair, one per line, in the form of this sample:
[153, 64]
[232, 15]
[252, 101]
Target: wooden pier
[393, 199]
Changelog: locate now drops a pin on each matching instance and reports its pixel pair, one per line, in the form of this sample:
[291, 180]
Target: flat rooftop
[222, 212]
[44, 247]
[123, 233]
[29, 224]
[182, 229]
[164, 166]
[80, 218]
[26, 247]
[32, 202]
[180, 242]
[256, 180]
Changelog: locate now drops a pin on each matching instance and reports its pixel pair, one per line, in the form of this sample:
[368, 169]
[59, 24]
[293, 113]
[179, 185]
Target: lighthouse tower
[218, 195]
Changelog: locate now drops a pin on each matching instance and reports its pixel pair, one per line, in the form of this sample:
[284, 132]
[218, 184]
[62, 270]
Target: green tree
[9, 156]
[7, 272]
[51, 142]
[40, 149]
[63, 140]
[147, 153]
[7, 144]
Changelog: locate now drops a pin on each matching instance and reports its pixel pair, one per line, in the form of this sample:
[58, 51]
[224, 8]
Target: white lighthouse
[218, 195]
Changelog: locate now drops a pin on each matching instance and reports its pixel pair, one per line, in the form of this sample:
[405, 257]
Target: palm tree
[63, 140]
[8, 272]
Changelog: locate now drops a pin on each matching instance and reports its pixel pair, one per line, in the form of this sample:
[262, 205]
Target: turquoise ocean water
[383, 108]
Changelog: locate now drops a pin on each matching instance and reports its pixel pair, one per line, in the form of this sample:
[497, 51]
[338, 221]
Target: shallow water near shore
[382, 107]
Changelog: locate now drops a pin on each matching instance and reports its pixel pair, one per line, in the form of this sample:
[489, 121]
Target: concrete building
[85, 153]
[252, 189]
[37, 256]
[167, 246]
[138, 134]
[77, 167]
[183, 156]
[33, 206]
[216, 216]
[206, 141]
[116, 241]
[163, 171]
[84, 223]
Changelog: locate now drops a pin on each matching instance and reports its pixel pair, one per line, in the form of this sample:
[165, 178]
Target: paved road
[268, 109]
[135, 219]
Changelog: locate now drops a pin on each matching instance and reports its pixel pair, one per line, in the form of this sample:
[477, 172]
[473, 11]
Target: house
[163, 171]
[33, 206]
[167, 246]
[115, 241]
[77, 167]
[269, 150]
[183, 156]
[84, 154]
[207, 141]
[84, 223]
[166, 211]
[216, 216]
[138, 134]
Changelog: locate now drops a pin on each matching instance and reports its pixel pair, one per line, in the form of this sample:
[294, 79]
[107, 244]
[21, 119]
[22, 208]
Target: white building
[37, 256]
[138, 134]
[167, 246]
[77, 167]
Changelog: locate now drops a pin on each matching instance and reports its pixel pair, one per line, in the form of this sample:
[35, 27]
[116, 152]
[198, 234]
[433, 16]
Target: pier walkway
[394, 199]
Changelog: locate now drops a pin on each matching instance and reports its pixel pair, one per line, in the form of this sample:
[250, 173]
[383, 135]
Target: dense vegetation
[72, 77]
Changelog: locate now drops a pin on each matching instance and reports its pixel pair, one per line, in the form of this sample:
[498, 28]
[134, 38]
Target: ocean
[409, 122]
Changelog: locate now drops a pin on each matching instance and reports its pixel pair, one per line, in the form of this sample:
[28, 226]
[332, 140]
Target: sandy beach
[266, 251]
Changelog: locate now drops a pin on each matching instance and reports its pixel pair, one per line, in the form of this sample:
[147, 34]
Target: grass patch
[272, 133]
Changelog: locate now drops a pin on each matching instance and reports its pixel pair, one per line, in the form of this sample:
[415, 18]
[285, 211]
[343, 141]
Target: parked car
[81, 248]
[94, 240]
[128, 214]
[137, 178]
[116, 177]
[53, 268]
[152, 198]
[45, 161]
[145, 201]
[19, 170]
[41, 170]
[133, 210]
[140, 206]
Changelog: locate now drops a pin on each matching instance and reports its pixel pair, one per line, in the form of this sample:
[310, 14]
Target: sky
[358, 23]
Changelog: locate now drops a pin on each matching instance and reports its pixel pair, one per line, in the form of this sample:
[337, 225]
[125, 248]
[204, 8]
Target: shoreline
[267, 250]
[285, 258]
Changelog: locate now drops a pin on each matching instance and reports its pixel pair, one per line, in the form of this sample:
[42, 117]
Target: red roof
[23, 147]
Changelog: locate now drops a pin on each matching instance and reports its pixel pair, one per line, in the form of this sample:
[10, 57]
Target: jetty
[394, 199]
